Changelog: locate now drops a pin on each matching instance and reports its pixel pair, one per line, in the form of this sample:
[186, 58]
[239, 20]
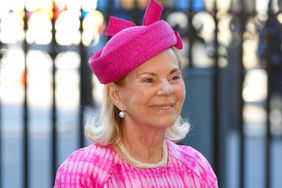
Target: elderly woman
[144, 93]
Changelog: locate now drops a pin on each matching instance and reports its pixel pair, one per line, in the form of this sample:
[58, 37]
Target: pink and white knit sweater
[100, 166]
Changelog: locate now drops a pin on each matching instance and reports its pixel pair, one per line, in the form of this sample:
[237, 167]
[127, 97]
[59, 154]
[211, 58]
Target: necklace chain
[140, 164]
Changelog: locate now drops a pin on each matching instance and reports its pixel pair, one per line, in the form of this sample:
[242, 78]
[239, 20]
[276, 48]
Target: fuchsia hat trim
[133, 45]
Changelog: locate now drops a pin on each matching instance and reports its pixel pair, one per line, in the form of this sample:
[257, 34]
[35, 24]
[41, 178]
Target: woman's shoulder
[186, 153]
[193, 161]
[93, 153]
[88, 166]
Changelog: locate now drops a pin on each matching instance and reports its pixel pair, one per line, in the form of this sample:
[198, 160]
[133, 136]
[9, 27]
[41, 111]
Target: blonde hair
[107, 129]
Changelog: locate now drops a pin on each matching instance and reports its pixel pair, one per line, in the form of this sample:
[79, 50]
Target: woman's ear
[113, 91]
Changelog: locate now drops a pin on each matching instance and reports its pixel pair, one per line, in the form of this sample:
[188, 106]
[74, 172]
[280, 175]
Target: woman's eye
[176, 77]
[149, 80]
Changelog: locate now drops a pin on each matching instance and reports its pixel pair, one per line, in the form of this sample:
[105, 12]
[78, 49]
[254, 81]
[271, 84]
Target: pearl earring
[121, 114]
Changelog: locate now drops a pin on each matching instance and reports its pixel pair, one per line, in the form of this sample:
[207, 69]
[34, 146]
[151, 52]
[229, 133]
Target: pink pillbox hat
[131, 45]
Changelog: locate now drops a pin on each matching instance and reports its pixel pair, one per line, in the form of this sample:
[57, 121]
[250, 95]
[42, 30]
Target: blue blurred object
[122, 14]
[183, 5]
[198, 5]
[83, 14]
[102, 5]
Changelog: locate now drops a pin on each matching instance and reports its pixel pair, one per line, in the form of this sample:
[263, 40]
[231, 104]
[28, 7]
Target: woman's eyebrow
[154, 74]
[174, 70]
[148, 73]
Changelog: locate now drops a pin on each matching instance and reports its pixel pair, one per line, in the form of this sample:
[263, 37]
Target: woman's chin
[164, 122]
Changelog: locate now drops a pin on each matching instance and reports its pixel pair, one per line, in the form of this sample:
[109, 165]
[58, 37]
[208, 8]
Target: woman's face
[153, 94]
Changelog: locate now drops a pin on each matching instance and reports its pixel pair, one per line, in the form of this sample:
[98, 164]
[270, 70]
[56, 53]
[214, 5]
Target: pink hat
[131, 45]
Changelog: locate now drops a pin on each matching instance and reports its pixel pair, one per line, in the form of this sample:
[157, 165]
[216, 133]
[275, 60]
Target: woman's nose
[165, 88]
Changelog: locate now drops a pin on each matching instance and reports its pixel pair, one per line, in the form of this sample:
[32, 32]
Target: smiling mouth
[163, 106]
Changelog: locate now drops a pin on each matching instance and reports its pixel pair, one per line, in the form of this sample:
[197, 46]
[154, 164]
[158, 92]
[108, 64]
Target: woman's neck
[144, 144]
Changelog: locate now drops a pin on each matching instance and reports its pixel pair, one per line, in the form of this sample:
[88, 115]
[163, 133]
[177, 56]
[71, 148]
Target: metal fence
[231, 40]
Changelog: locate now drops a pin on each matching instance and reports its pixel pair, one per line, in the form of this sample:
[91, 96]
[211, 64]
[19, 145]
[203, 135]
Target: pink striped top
[100, 166]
